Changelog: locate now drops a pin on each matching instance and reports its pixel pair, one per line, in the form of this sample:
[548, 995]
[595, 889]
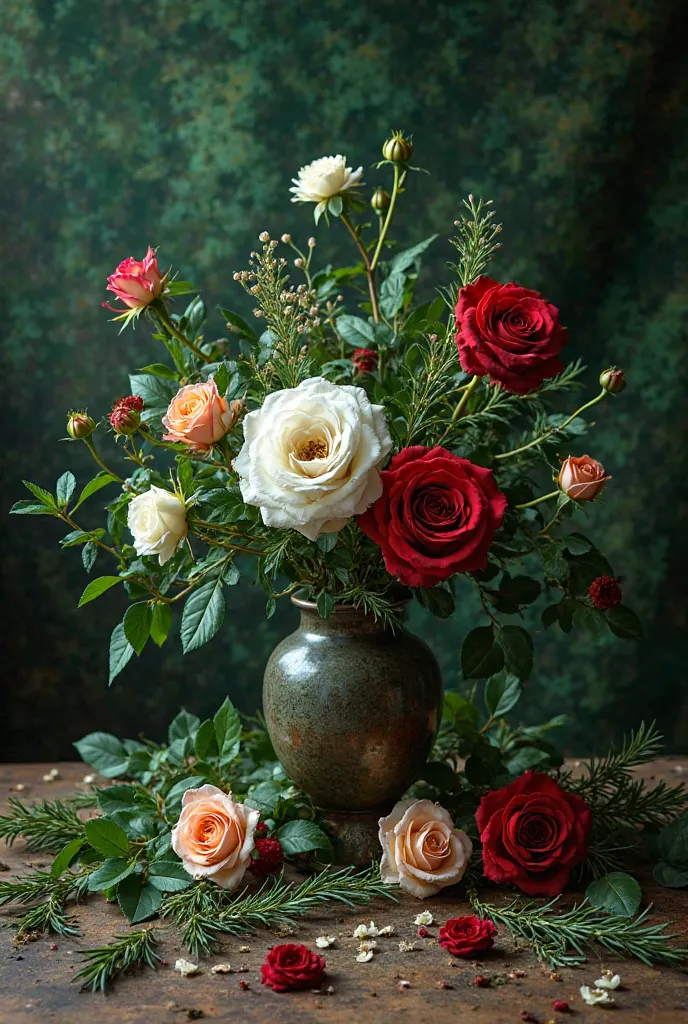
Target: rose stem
[398, 182]
[92, 448]
[369, 271]
[468, 391]
[536, 501]
[166, 321]
[553, 430]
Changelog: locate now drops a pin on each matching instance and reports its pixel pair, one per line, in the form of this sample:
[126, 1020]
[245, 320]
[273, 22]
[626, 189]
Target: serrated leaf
[227, 732]
[203, 615]
[184, 724]
[89, 553]
[502, 693]
[168, 875]
[138, 901]
[624, 622]
[160, 370]
[106, 837]
[206, 742]
[94, 485]
[66, 856]
[241, 326]
[302, 836]
[405, 259]
[161, 622]
[116, 798]
[30, 508]
[517, 644]
[137, 624]
[616, 893]
[481, 655]
[392, 294]
[64, 489]
[114, 870]
[121, 652]
[45, 497]
[104, 753]
[355, 331]
[97, 587]
[174, 797]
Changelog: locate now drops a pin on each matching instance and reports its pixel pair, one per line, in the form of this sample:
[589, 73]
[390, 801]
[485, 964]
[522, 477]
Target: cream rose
[199, 416]
[157, 520]
[311, 455]
[582, 478]
[422, 851]
[214, 836]
[323, 179]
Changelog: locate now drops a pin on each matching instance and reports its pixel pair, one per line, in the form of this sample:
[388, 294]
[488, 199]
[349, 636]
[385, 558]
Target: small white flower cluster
[601, 994]
[366, 934]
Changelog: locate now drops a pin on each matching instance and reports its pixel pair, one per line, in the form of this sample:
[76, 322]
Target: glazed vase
[353, 709]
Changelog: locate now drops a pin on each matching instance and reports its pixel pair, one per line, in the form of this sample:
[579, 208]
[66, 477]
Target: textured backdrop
[180, 123]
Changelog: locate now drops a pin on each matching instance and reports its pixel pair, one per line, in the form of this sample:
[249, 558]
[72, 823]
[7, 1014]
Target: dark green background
[180, 124]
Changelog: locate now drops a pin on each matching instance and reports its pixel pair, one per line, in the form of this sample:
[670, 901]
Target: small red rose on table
[292, 966]
[466, 936]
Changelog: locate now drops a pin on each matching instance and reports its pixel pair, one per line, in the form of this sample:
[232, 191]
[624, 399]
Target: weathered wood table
[36, 978]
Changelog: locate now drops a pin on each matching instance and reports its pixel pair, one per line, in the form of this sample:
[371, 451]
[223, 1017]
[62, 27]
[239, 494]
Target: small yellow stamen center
[314, 448]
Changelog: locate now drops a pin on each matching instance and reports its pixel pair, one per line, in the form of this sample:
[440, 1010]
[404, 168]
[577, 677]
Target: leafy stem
[468, 391]
[88, 441]
[166, 321]
[366, 260]
[536, 501]
[399, 176]
[553, 430]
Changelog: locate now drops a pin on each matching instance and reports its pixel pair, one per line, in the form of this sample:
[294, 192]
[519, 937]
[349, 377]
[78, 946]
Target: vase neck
[343, 621]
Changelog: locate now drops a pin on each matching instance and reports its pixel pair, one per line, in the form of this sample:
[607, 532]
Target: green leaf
[106, 837]
[227, 732]
[527, 757]
[64, 488]
[405, 259]
[325, 605]
[577, 544]
[240, 325]
[116, 798]
[203, 615]
[221, 378]
[335, 205]
[670, 877]
[481, 656]
[45, 497]
[160, 370]
[484, 765]
[89, 553]
[517, 644]
[101, 480]
[97, 587]
[502, 692]
[327, 541]
[137, 624]
[616, 893]
[520, 589]
[30, 508]
[174, 797]
[550, 615]
[392, 294]
[206, 743]
[138, 901]
[169, 876]
[183, 725]
[161, 622]
[110, 873]
[121, 651]
[624, 622]
[66, 856]
[355, 331]
[104, 753]
[302, 836]
[179, 288]
[673, 843]
[156, 393]
[437, 600]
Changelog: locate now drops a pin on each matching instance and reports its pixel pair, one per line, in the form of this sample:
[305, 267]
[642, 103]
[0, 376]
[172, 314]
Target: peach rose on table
[136, 282]
[582, 478]
[199, 416]
[214, 836]
[422, 850]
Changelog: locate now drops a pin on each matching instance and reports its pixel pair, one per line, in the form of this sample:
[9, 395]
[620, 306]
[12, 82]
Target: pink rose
[199, 416]
[422, 851]
[214, 836]
[135, 282]
[582, 478]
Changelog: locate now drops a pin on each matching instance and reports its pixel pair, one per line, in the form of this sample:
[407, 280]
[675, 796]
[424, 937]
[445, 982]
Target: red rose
[270, 856]
[466, 936]
[510, 333]
[533, 833]
[364, 360]
[436, 516]
[605, 592]
[292, 966]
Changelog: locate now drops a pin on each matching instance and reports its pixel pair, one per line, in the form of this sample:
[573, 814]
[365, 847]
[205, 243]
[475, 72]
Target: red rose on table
[533, 833]
[466, 936]
[292, 966]
[436, 516]
[509, 333]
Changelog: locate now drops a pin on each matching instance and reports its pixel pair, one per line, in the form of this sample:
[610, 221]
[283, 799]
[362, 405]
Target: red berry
[560, 1006]
[364, 360]
[422, 932]
[270, 857]
[605, 592]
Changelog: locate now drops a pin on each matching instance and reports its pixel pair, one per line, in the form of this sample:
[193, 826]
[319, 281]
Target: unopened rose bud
[80, 425]
[380, 200]
[613, 380]
[286, 239]
[398, 149]
[311, 243]
[125, 417]
[582, 478]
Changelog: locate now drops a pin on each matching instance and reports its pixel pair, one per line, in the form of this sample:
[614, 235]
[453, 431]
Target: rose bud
[613, 380]
[136, 282]
[380, 200]
[125, 417]
[582, 478]
[80, 425]
[364, 360]
[397, 149]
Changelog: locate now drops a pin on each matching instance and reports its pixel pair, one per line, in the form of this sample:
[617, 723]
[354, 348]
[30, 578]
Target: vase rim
[342, 609]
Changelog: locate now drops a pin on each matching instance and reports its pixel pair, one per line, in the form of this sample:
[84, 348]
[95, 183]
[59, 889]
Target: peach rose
[582, 478]
[135, 282]
[199, 416]
[214, 836]
[423, 851]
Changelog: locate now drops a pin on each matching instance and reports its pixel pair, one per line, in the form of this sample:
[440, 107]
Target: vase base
[355, 836]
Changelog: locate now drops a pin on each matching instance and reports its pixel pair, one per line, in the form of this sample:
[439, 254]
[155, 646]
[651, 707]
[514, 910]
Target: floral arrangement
[360, 447]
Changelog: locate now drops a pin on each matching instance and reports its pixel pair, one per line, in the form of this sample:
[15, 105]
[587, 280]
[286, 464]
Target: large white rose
[311, 455]
[324, 178]
[157, 520]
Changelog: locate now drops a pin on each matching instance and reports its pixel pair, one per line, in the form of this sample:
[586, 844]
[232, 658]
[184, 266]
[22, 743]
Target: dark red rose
[466, 936]
[509, 333]
[533, 833]
[292, 966]
[605, 592]
[126, 414]
[364, 360]
[270, 857]
[436, 516]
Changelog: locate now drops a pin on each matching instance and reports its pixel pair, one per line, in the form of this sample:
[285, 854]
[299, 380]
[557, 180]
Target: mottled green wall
[180, 124]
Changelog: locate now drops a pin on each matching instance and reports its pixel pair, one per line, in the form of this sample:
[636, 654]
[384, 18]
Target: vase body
[353, 710]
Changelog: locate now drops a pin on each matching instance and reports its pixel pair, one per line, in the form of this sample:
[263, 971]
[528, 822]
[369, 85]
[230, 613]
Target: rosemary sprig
[47, 826]
[203, 910]
[50, 895]
[105, 963]
[476, 239]
[563, 939]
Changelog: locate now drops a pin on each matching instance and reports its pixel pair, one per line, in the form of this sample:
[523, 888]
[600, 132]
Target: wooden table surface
[36, 979]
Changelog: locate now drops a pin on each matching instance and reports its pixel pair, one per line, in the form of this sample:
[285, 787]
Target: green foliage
[617, 893]
[47, 826]
[105, 963]
[672, 870]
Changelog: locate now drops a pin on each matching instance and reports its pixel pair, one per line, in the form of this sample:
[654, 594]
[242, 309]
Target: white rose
[324, 178]
[157, 520]
[422, 851]
[311, 455]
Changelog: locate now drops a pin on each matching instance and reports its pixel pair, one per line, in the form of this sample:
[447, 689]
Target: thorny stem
[398, 182]
[92, 448]
[168, 323]
[366, 259]
[536, 501]
[553, 430]
[468, 391]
